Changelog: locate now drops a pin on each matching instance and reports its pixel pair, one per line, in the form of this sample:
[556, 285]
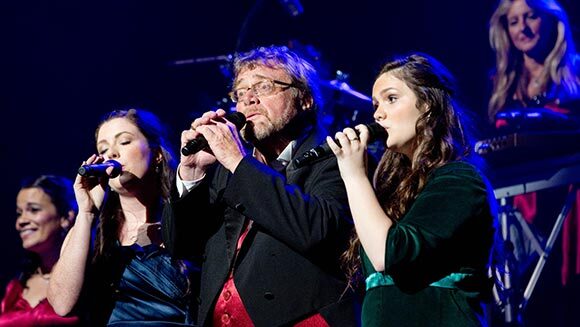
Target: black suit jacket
[288, 266]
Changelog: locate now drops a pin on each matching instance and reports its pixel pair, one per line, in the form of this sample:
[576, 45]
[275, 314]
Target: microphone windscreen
[237, 118]
[376, 132]
[100, 169]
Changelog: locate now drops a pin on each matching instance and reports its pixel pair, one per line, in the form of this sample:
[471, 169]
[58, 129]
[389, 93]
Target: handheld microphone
[100, 169]
[200, 143]
[376, 132]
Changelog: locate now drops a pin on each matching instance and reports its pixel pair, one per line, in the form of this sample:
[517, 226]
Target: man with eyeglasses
[269, 235]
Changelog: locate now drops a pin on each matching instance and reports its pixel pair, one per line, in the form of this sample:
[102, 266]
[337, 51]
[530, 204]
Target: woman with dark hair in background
[131, 279]
[45, 210]
[425, 229]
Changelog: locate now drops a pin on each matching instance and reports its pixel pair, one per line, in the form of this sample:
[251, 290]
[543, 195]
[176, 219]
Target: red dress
[16, 311]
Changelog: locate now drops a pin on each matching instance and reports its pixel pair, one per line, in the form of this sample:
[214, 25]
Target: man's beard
[266, 129]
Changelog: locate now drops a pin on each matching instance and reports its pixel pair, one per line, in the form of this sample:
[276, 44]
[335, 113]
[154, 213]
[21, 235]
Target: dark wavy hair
[440, 138]
[61, 193]
[111, 217]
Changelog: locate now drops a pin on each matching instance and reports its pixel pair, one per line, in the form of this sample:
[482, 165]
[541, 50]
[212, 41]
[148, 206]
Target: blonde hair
[301, 71]
[509, 76]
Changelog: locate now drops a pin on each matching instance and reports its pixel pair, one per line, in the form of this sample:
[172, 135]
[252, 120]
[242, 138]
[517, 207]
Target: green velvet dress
[436, 256]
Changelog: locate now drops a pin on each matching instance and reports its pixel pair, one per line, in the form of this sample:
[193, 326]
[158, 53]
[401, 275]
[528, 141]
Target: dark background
[64, 64]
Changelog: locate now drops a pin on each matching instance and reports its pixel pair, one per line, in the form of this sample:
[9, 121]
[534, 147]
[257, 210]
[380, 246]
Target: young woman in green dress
[425, 227]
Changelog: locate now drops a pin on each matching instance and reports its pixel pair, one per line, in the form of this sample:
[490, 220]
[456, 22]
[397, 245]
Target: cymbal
[343, 87]
[338, 94]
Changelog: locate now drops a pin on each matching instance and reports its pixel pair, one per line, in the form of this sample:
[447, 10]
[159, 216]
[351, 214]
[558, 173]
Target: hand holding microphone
[376, 132]
[90, 192]
[200, 143]
[217, 133]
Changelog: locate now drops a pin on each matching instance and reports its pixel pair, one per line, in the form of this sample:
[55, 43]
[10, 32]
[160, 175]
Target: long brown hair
[440, 138]
[111, 217]
[560, 64]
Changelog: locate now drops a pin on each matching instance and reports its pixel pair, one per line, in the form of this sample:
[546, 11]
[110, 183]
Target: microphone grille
[376, 131]
[237, 118]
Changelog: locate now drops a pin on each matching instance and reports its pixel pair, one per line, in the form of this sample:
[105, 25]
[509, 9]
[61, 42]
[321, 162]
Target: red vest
[229, 309]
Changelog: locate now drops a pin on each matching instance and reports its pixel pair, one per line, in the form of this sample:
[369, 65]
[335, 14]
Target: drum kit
[343, 106]
[346, 107]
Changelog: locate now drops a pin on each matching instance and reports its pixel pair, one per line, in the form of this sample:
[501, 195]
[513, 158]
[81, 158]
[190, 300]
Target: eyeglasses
[262, 88]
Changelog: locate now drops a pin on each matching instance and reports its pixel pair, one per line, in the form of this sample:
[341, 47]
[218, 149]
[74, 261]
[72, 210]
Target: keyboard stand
[534, 176]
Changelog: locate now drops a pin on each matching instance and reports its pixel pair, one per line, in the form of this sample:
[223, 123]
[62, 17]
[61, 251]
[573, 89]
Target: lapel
[233, 230]
[234, 223]
[315, 136]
